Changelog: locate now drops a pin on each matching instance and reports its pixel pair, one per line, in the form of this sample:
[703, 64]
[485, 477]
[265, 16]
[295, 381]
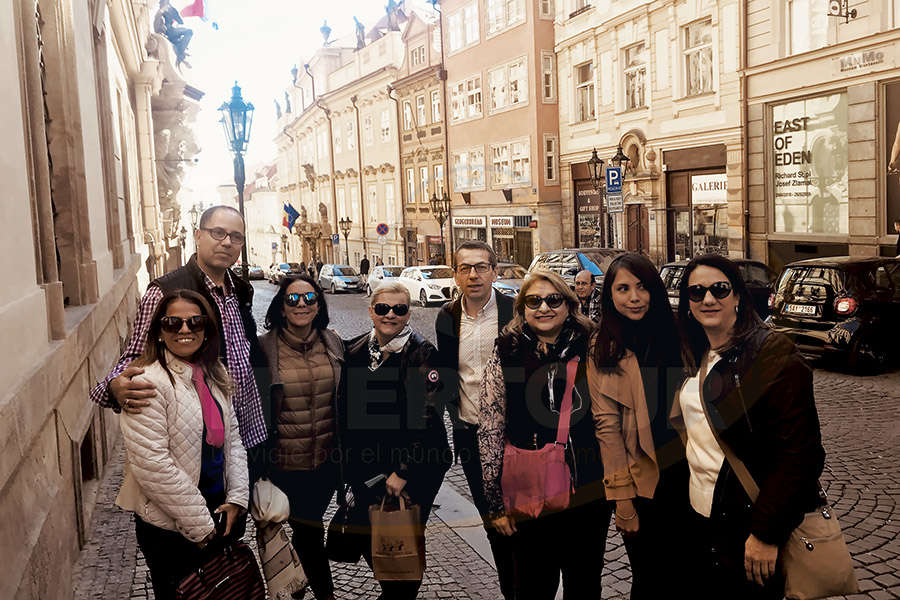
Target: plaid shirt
[591, 307]
[246, 401]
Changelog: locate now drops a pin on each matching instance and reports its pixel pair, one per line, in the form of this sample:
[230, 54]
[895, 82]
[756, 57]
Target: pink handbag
[534, 481]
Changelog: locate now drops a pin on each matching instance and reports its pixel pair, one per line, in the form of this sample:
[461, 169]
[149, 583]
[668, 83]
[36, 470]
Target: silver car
[339, 278]
[382, 274]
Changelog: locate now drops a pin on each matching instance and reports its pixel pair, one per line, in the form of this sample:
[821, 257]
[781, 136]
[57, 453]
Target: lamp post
[195, 216]
[621, 160]
[284, 240]
[237, 119]
[595, 170]
[440, 209]
[345, 224]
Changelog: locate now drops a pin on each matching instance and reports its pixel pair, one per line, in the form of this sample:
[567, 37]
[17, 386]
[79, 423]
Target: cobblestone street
[859, 417]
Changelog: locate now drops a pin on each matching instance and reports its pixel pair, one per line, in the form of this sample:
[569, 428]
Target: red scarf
[212, 418]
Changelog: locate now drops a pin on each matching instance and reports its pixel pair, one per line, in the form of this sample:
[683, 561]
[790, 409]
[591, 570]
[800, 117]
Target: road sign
[382, 240]
[335, 239]
[613, 181]
[614, 203]
[274, 245]
[382, 229]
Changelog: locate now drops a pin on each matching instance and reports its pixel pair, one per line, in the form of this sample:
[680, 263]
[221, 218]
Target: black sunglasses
[381, 309]
[174, 324]
[719, 290]
[309, 298]
[533, 301]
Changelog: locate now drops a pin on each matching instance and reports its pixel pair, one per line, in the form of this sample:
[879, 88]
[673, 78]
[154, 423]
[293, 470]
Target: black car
[567, 262]
[841, 305]
[760, 280]
[280, 270]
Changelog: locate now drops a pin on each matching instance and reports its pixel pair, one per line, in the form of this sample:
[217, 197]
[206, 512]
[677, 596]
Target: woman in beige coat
[634, 371]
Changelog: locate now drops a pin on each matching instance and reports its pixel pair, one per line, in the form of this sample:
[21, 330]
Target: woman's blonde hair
[391, 287]
[517, 323]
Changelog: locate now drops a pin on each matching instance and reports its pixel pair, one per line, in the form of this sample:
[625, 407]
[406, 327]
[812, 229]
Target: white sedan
[431, 283]
[382, 274]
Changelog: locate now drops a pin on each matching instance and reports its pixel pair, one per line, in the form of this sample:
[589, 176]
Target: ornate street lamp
[440, 209]
[620, 158]
[237, 119]
[284, 240]
[595, 166]
[345, 225]
[195, 216]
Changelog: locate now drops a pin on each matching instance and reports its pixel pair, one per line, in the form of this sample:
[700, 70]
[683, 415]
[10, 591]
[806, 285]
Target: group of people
[652, 401]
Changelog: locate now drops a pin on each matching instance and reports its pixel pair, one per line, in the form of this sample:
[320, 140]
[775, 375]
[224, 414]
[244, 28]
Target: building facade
[84, 234]
[660, 80]
[823, 106]
[503, 125]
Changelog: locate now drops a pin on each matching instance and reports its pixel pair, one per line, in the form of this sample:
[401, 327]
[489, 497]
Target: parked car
[510, 277]
[431, 283]
[760, 280]
[567, 262]
[382, 274]
[281, 269]
[339, 278]
[842, 305]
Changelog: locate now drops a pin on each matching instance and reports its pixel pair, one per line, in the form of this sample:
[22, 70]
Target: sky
[257, 44]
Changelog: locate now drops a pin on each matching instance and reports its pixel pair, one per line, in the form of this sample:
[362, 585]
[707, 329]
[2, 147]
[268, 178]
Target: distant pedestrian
[318, 267]
[378, 261]
[897, 229]
[312, 271]
[185, 465]
[588, 295]
[364, 269]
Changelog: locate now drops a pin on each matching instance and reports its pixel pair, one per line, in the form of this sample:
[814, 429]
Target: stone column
[147, 83]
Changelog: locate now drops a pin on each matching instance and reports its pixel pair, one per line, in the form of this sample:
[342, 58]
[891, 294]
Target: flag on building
[199, 8]
[290, 216]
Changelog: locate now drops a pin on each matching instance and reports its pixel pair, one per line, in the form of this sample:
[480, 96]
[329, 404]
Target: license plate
[801, 309]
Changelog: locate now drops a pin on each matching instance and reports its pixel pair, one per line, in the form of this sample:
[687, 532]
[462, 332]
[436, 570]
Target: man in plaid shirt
[219, 238]
[588, 295]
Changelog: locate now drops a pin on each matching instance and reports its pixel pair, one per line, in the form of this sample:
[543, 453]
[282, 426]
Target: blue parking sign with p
[613, 180]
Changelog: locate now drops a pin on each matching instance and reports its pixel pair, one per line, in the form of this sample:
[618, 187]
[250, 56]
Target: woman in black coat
[758, 394]
[393, 436]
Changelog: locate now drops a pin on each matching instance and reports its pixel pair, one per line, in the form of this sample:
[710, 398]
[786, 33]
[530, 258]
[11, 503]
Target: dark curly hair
[275, 314]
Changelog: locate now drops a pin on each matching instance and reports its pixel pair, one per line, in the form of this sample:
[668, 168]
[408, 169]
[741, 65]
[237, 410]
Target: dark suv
[760, 280]
[841, 305]
[569, 261]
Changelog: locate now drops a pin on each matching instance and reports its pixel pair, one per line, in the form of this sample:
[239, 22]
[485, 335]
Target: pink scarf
[215, 428]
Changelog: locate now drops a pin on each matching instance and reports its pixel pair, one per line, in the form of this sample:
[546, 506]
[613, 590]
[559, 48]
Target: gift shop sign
[469, 221]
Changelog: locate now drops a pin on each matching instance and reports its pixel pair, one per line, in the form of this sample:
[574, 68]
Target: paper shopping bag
[398, 542]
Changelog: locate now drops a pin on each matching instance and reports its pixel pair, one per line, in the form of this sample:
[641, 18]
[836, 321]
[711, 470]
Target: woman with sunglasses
[634, 372]
[523, 391]
[305, 367]
[186, 469]
[749, 390]
[392, 431]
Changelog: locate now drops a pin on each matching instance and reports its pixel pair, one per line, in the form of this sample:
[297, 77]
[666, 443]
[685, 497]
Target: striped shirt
[246, 400]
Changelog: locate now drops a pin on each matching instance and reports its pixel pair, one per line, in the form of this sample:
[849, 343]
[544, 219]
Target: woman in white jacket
[186, 469]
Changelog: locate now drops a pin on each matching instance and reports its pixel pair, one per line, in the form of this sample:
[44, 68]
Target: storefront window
[892, 136]
[709, 202]
[809, 141]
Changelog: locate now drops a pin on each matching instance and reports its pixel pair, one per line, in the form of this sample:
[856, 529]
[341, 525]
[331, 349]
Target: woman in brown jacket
[305, 366]
[634, 371]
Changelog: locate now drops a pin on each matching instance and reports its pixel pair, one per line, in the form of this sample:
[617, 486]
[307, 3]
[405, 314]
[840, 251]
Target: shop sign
[858, 61]
[501, 222]
[469, 221]
[709, 189]
[589, 213]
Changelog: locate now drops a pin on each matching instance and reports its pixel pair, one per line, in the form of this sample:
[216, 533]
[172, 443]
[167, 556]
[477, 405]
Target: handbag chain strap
[565, 410]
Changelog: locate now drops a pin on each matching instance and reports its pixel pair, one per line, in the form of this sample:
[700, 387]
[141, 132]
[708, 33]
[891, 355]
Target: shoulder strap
[565, 410]
[737, 465]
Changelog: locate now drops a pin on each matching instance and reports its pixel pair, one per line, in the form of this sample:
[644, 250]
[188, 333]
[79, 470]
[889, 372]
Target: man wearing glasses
[466, 329]
[588, 295]
[219, 239]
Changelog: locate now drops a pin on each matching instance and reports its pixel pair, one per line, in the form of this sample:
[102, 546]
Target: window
[548, 77]
[410, 186]
[581, 5]
[808, 28]
[463, 27]
[389, 204]
[354, 204]
[551, 159]
[342, 202]
[465, 99]
[337, 140]
[439, 180]
[385, 126]
[698, 58]
[373, 204]
[367, 131]
[407, 115]
[504, 13]
[421, 117]
[468, 169]
[635, 76]
[511, 163]
[435, 106]
[509, 85]
[584, 92]
[417, 56]
[351, 136]
[423, 181]
[547, 9]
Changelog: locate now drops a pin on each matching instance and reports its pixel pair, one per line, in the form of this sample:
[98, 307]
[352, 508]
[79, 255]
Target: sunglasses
[309, 298]
[719, 290]
[381, 309]
[174, 324]
[533, 301]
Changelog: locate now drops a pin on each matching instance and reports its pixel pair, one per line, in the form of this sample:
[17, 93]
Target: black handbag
[346, 536]
[230, 573]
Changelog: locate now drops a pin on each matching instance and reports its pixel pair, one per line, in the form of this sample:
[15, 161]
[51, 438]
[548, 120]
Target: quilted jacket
[163, 445]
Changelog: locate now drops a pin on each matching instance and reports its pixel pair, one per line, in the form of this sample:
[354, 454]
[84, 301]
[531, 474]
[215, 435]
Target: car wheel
[368, 290]
[867, 357]
[423, 299]
[333, 289]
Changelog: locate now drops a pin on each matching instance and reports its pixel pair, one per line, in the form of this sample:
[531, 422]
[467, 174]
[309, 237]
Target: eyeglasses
[719, 290]
[219, 234]
[480, 268]
[534, 302]
[381, 309]
[174, 324]
[309, 298]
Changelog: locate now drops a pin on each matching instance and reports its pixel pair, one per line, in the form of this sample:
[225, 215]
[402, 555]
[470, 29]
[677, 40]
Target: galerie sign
[709, 189]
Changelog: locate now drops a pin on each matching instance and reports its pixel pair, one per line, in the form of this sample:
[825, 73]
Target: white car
[432, 283]
[382, 274]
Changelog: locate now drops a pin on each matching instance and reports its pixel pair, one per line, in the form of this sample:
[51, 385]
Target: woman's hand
[202, 543]
[232, 512]
[627, 520]
[759, 559]
[395, 485]
[506, 525]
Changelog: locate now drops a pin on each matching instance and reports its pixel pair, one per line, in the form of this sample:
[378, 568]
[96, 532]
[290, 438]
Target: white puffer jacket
[164, 444]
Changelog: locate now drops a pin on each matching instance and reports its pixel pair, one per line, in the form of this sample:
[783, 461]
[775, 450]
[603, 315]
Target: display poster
[588, 214]
[709, 203]
[892, 137]
[809, 164]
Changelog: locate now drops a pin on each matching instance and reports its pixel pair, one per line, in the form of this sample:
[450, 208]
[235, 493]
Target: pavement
[859, 418]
